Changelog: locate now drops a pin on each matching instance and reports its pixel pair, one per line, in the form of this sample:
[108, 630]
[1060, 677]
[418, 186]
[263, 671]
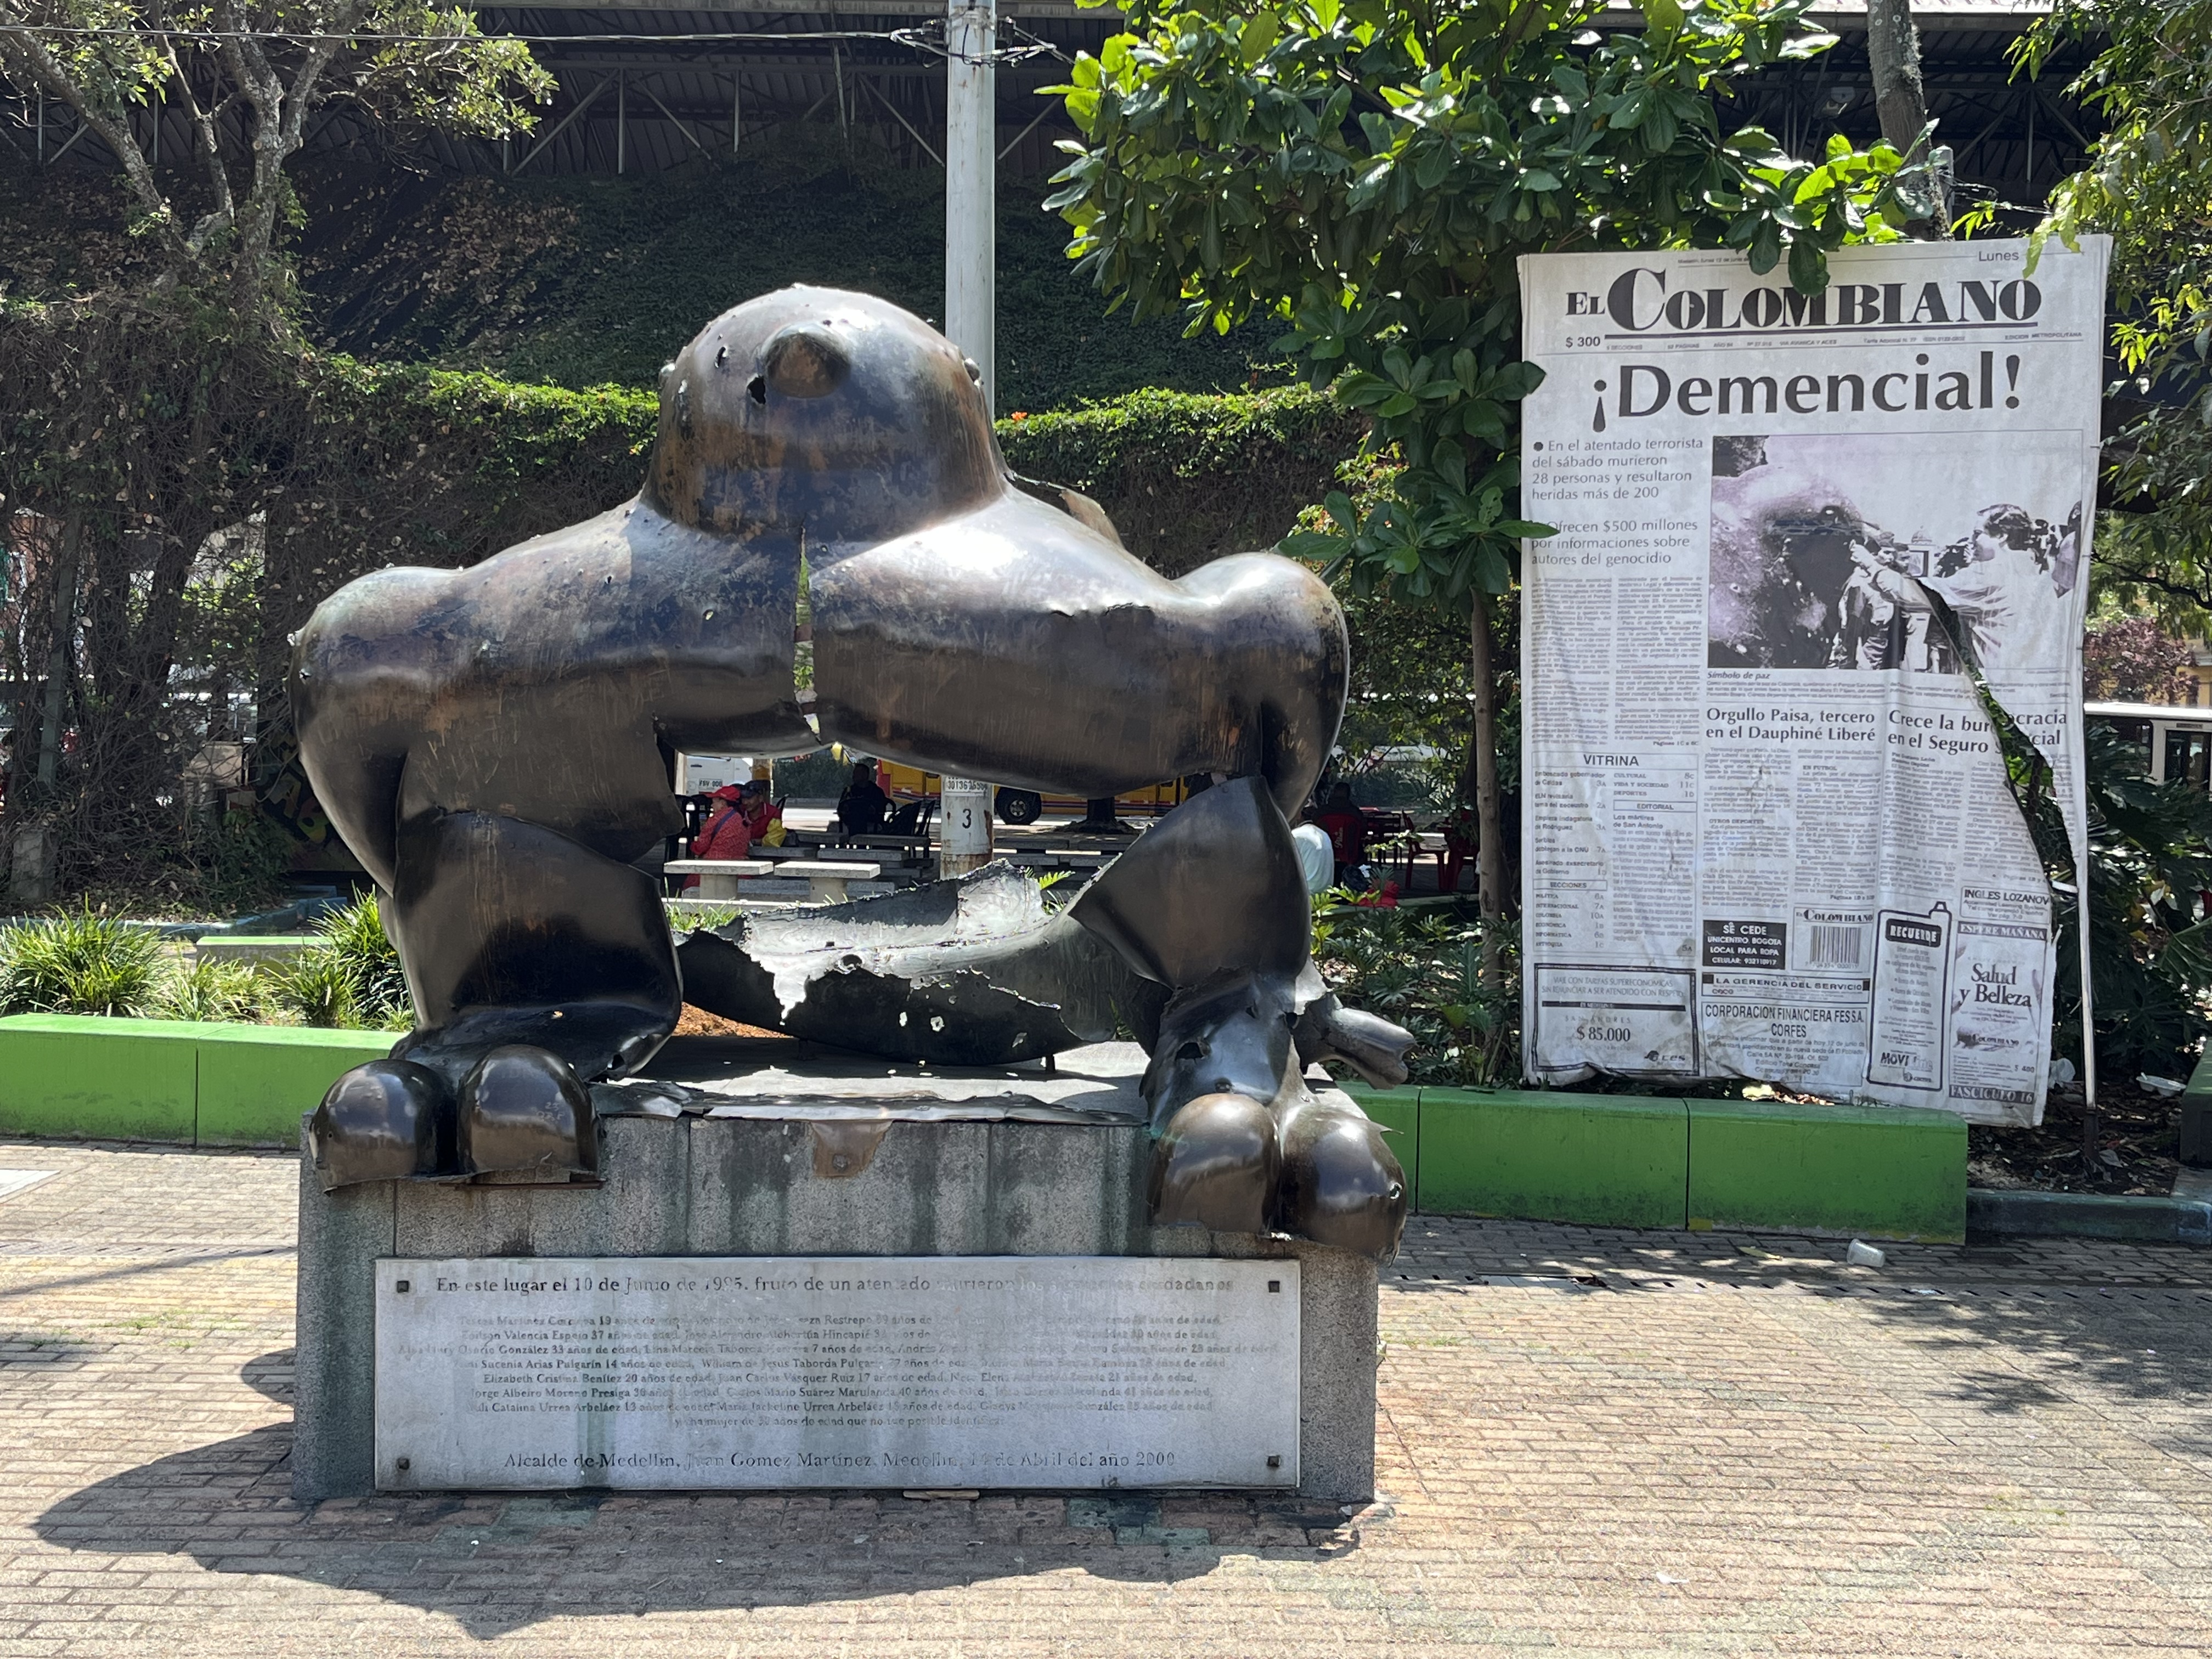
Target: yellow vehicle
[1020, 806]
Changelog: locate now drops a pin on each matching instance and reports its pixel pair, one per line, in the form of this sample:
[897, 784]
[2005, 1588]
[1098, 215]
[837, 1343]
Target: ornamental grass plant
[79, 962]
[212, 991]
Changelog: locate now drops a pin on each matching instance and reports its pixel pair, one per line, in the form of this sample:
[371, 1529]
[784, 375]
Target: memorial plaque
[753, 1371]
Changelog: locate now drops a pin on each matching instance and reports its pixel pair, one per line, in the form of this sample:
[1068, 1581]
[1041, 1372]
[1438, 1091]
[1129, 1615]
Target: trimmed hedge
[1187, 478]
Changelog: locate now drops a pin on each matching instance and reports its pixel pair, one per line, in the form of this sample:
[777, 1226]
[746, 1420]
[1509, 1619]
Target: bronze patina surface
[495, 743]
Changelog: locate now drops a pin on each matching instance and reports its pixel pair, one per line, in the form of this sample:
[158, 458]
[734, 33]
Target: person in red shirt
[725, 835]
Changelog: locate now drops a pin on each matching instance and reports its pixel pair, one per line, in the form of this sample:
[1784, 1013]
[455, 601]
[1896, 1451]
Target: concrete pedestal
[817, 1155]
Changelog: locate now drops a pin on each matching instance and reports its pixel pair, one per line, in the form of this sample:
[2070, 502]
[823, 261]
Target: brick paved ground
[1594, 1442]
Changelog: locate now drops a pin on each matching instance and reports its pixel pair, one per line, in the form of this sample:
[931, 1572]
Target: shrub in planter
[79, 962]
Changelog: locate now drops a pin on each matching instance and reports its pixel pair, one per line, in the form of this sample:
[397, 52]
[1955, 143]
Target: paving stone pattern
[1594, 1442]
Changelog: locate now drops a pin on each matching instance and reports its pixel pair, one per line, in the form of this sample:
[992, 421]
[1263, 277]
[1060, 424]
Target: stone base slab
[892, 1185]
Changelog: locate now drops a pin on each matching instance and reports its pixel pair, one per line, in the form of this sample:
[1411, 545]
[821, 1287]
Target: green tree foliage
[178, 500]
[263, 67]
[2148, 184]
[1423, 970]
[2133, 659]
[2150, 943]
[1367, 172]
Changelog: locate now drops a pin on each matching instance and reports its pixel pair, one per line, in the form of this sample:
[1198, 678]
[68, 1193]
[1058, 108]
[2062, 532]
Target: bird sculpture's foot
[1341, 1184]
[1241, 1143]
[515, 1110]
[525, 1111]
[1312, 1169]
[1216, 1164]
[387, 1120]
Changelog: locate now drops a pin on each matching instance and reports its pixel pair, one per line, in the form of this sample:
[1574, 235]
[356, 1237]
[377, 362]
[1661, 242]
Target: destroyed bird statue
[495, 744]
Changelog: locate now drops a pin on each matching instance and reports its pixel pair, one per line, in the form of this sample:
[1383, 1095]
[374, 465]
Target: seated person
[1316, 856]
[725, 835]
[763, 815]
[860, 809]
[1346, 828]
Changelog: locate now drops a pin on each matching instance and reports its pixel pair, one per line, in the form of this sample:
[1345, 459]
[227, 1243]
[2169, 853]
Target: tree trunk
[1490, 855]
[1893, 53]
[58, 652]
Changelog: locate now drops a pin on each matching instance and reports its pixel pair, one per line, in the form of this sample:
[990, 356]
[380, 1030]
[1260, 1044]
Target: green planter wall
[1897, 1170]
[76, 1077]
[1629, 1161]
[1604, 1161]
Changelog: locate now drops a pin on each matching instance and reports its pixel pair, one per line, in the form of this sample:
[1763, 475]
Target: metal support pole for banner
[971, 132]
[2089, 1021]
[2082, 938]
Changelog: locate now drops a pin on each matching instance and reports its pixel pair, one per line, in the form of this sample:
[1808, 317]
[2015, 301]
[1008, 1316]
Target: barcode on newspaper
[1835, 947]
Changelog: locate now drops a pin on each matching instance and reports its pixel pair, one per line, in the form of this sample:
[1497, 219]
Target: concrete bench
[828, 880]
[718, 877]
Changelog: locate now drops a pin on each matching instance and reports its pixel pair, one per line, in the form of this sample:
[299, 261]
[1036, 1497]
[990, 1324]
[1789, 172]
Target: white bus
[2173, 744]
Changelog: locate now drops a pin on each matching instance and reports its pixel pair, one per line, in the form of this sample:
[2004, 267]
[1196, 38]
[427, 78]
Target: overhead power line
[924, 38]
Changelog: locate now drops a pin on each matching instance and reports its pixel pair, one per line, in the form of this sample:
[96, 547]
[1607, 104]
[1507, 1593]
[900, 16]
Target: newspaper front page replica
[1769, 830]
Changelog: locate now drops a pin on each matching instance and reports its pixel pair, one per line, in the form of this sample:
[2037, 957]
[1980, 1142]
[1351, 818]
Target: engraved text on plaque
[704, 1371]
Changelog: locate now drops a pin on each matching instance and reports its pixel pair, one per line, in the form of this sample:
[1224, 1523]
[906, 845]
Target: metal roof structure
[872, 68]
[645, 90]
[653, 105]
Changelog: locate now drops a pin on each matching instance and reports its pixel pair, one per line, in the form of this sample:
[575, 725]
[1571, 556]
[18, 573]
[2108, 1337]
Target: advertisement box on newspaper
[1770, 832]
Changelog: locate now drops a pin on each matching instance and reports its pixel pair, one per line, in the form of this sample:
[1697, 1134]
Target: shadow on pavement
[495, 1563]
[2018, 1348]
[270, 1374]
[2020, 1325]
[31, 1351]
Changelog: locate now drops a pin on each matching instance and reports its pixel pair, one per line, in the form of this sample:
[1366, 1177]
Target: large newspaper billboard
[1769, 830]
